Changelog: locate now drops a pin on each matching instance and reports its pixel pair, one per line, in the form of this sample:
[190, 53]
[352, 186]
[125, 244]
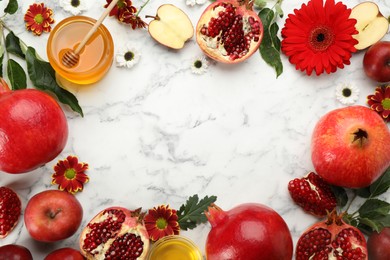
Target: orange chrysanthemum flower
[318, 37]
[161, 221]
[380, 102]
[121, 7]
[70, 175]
[38, 18]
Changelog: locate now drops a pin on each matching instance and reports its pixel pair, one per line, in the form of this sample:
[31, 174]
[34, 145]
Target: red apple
[378, 245]
[52, 215]
[351, 147]
[65, 253]
[15, 252]
[376, 61]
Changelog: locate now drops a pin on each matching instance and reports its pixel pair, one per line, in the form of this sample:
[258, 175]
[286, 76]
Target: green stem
[142, 7]
[350, 203]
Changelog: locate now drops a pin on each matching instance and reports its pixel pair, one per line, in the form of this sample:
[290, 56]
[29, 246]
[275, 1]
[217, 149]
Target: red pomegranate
[249, 231]
[114, 232]
[229, 31]
[33, 129]
[332, 239]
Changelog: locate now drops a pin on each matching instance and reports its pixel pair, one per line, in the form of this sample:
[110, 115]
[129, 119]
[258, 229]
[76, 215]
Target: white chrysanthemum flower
[127, 57]
[195, 2]
[74, 7]
[347, 94]
[199, 65]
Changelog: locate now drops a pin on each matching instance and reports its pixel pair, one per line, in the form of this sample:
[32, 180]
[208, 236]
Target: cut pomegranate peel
[229, 31]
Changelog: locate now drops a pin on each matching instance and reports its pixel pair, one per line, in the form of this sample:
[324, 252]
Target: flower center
[161, 223]
[38, 18]
[386, 103]
[129, 56]
[347, 92]
[198, 64]
[321, 38]
[70, 173]
[121, 4]
[75, 3]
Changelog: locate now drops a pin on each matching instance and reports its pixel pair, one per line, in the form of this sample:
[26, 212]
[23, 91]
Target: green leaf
[191, 213]
[374, 209]
[12, 44]
[42, 76]
[363, 192]
[381, 185]
[369, 225]
[12, 7]
[1, 59]
[16, 75]
[270, 45]
[341, 195]
[260, 4]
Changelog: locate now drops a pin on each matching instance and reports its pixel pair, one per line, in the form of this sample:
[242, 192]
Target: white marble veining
[157, 133]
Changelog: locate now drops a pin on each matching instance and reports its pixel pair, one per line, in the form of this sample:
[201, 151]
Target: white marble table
[157, 133]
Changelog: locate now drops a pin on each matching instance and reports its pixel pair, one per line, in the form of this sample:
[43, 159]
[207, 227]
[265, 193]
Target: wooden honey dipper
[71, 57]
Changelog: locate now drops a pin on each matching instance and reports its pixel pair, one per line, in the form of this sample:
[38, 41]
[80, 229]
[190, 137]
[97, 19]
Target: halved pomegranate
[115, 233]
[332, 239]
[229, 31]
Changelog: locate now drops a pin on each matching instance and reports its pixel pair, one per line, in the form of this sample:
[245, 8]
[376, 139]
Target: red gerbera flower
[319, 37]
[38, 18]
[380, 102]
[161, 222]
[70, 175]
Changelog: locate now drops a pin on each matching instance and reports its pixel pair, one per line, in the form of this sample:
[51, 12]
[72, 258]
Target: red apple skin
[52, 215]
[15, 252]
[65, 253]
[342, 162]
[378, 245]
[376, 61]
[33, 129]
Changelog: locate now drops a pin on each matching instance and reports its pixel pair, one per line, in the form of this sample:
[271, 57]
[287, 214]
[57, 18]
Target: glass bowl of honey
[95, 58]
[174, 247]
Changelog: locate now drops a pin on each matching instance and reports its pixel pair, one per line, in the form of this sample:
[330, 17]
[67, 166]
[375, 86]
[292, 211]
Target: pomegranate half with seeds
[115, 233]
[332, 239]
[229, 31]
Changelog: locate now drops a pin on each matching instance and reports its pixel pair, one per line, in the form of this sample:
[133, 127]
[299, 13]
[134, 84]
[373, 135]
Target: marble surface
[158, 133]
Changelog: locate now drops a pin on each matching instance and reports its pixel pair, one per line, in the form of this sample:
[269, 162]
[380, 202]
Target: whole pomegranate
[114, 232]
[350, 147]
[378, 245]
[15, 252]
[229, 31]
[332, 239]
[33, 129]
[65, 253]
[249, 231]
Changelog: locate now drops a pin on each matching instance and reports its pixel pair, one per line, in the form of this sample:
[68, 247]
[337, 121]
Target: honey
[174, 248]
[95, 58]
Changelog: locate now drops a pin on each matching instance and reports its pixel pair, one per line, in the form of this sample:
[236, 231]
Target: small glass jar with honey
[95, 58]
[174, 247]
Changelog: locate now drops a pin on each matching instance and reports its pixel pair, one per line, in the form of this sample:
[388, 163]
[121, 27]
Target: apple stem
[52, 214]
[154, 17]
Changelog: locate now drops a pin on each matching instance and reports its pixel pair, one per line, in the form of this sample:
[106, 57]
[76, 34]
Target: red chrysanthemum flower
[380, 102]
[134, 20]
[70, 175]
[121, 7]
[319, 37]
[38, 18]
[161, 221]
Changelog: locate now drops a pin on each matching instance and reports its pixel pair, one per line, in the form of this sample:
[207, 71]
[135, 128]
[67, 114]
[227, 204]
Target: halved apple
[371, 24]
[171, 27]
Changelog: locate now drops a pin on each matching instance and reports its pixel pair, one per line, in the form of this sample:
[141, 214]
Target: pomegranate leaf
[270, 45]
[12, 7]
[374, 208]
[340, 194]
[1, 60]
[13, 45]
[42, 76]
[191, 213]
[16, 75]
[379, 187]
